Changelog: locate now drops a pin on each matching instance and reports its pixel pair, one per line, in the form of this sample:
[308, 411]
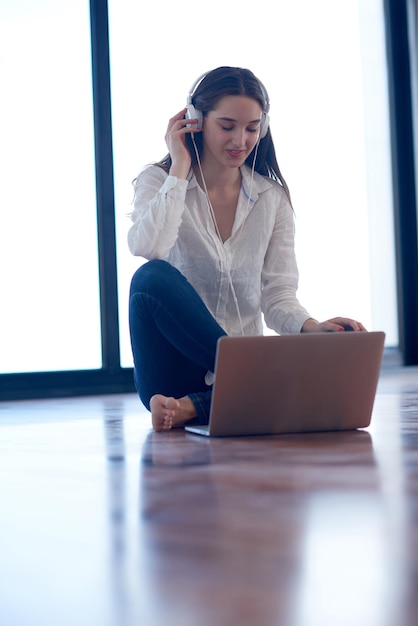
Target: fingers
[334, 325]
[340, 324]
[175, 138]
[180, 124]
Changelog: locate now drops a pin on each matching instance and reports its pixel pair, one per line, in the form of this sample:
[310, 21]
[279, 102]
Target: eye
[249, 130]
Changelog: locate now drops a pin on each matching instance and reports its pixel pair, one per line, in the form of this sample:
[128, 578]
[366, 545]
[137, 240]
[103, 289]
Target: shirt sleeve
[159, 203]
[281, 308]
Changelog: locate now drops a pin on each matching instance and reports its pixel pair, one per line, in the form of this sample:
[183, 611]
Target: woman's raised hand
[175, 138]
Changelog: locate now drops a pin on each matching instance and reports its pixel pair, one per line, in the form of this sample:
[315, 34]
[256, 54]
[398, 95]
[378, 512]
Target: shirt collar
[254, 187]
[253, 183]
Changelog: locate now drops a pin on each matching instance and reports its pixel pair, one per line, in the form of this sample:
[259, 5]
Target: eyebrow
[231, 119]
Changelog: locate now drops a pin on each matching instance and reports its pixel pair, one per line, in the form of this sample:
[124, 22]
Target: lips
[235, 154]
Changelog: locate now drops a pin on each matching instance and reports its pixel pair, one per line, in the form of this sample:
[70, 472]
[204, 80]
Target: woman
[215, 221]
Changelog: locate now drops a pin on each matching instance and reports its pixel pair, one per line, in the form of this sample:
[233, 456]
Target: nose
[239, 137]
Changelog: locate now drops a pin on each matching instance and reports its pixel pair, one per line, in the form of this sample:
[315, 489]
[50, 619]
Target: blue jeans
[173, 337]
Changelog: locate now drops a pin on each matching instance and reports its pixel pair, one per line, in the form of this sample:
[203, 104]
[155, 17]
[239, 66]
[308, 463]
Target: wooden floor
[103, 523]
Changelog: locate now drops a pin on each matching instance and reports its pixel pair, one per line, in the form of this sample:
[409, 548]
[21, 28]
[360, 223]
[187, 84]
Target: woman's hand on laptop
[334, 325]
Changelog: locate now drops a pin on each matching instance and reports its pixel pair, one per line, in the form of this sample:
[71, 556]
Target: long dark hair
[233, 81]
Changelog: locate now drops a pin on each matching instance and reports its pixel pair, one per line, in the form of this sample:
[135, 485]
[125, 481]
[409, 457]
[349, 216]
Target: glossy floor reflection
[104, 523]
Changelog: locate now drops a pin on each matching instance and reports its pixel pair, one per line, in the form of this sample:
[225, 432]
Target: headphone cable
[212, 214]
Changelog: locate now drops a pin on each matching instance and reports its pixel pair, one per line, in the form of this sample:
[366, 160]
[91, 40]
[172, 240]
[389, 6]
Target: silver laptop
[294, 383]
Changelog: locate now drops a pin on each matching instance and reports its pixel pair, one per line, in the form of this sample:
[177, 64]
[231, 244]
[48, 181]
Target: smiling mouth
[235, 153]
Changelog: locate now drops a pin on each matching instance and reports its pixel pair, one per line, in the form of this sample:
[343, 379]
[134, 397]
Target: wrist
[179, 171]
[309, 325]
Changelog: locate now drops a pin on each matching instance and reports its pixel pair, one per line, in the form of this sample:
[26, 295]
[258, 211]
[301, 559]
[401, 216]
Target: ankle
[186, 411]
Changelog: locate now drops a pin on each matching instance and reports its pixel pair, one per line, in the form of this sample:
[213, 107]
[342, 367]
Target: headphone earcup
[264, 126]
[193, 114]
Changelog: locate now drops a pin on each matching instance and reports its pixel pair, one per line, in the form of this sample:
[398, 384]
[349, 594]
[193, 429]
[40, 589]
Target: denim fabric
[173, 337]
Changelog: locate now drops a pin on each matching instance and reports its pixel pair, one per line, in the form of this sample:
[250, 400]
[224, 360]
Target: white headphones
[192, 113]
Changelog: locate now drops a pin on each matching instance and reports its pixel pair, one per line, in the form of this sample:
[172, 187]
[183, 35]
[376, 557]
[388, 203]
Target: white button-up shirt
[172, 221]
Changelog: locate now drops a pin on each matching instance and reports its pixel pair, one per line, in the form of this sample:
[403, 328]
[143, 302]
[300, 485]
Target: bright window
[324, 67]
[49, 317]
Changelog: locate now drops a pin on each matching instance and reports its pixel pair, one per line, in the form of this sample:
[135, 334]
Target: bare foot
[167, 412]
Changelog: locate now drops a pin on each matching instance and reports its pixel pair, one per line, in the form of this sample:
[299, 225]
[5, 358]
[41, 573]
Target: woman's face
[231, 131]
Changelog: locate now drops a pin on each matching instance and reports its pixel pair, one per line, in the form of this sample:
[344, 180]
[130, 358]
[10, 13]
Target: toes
[163, 412]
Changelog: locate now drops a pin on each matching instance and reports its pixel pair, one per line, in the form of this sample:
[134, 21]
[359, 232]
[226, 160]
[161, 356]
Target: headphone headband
[195, 86]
